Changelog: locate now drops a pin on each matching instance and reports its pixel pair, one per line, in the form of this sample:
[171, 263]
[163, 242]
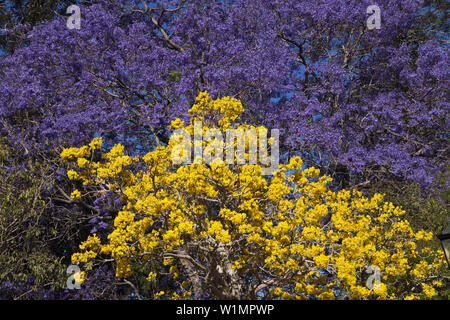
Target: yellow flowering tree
[226, 231]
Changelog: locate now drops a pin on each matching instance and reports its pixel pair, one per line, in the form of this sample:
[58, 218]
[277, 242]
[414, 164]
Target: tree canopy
[367, 107]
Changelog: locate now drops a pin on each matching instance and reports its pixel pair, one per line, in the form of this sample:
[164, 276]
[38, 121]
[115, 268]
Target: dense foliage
[226, 232]
[366, 107]
[378, 99]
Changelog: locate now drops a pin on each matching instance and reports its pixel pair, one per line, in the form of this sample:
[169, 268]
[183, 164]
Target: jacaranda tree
[367, 101]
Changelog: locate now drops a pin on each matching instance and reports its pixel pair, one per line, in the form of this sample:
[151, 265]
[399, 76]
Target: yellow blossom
[76, 194]
[223, 227]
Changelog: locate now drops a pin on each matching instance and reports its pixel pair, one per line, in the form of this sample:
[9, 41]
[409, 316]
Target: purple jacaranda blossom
[309, 68]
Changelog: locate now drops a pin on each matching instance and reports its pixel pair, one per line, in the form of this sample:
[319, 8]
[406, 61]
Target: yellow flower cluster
[74, 153]
[99, 172]
[76, 194]
[224, 224]
[224, 111]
